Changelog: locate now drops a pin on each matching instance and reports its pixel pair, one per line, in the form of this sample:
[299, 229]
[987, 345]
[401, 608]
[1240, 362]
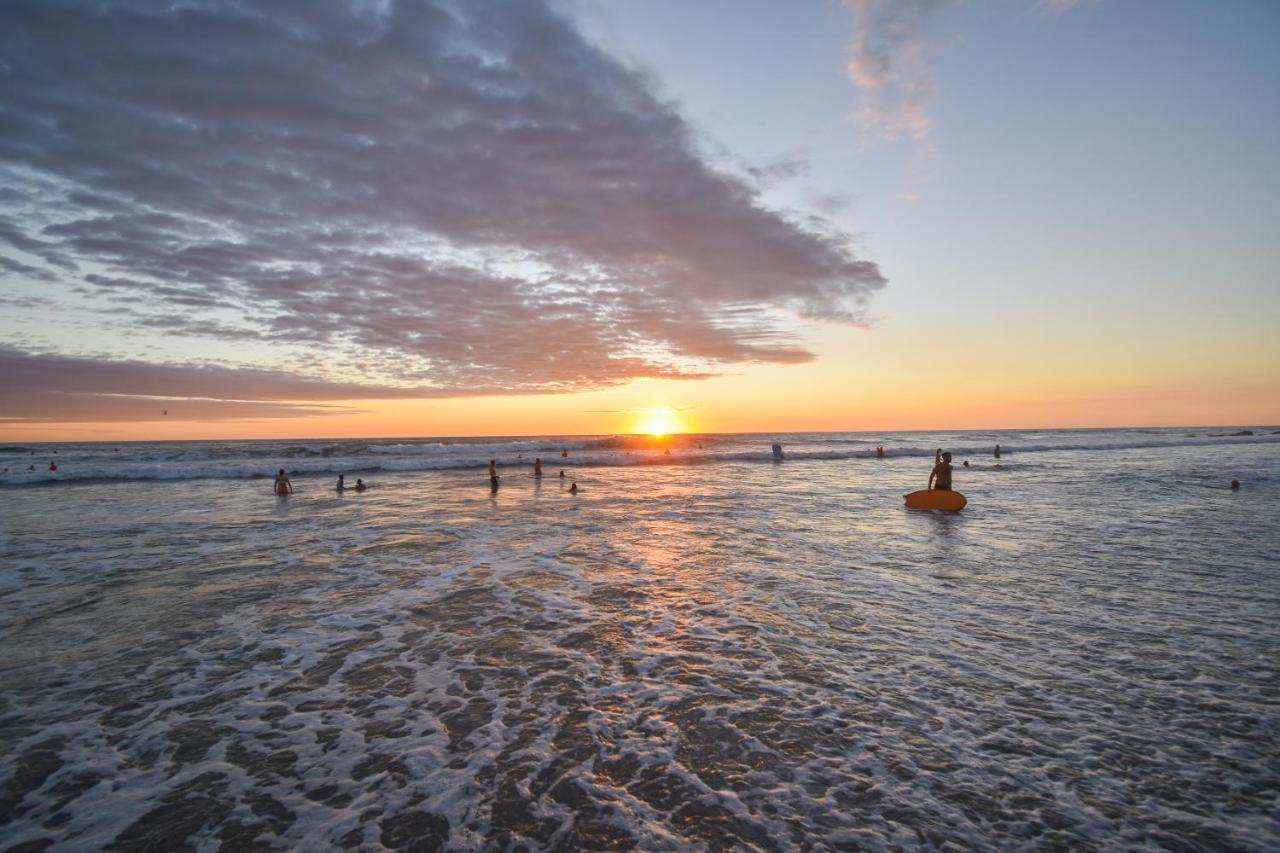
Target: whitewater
[702, 649]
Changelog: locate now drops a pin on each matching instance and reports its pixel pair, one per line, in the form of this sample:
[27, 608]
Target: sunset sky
[324, 219]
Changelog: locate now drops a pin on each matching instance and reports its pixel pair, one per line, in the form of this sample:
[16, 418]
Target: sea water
[704, 648]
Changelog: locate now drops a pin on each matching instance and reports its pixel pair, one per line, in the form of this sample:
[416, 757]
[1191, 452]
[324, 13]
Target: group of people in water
[537, 473]
[284, 486]
[939, 476]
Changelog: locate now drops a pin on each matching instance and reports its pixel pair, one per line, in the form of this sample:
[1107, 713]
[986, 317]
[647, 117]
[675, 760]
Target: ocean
[702, 649]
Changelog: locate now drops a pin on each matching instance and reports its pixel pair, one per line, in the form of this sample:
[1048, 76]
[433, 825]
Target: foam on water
[96, 462]
[732, 654]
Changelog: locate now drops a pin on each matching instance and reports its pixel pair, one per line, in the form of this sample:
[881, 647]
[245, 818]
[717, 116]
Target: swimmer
[537, 468]
[283, 486]
[1235, 485]
[966, 463]
[997, 451]
[341, 484]
[493, 475]
[561, 473]
[53, 467]
[564, 454]
[573, 489]
[940, 476]
[360, 486]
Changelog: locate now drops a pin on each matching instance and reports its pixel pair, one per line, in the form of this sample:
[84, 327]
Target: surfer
[283, 486]
[493, 475]
[940, 476]
[341, 484]
[537, 468]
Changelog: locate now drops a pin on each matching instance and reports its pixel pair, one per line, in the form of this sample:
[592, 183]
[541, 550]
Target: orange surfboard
[936, 499]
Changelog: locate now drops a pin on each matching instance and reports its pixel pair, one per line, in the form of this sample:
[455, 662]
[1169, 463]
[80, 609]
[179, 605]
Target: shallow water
[731, 654]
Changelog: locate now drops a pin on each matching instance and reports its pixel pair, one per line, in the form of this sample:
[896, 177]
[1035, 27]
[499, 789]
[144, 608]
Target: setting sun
[659, 422]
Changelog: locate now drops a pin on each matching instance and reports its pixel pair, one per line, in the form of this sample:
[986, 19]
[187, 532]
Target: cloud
[53, 387]
[889, 62]
[456, 194]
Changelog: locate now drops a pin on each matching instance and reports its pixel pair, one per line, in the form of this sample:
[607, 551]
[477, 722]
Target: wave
[230, 461]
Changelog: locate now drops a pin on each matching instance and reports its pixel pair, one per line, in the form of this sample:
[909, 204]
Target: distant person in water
[561, 473]
[997, 453]
[283, 486]
[493, 474]
[966, 463]
[573, 489]
[341, 483]
[537, 468]
[53, 467]
[940, 476]
[1235, 485]
[879, 452]
[564, 454]
[360, 486]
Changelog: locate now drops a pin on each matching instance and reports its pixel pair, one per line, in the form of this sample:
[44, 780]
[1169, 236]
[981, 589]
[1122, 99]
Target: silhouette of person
[493, 475]
[997, 451]
[1235, 485]
[940, 476]
[573, 489]
[360, 486]
[537, 467]
[283, 486]
[341, 483]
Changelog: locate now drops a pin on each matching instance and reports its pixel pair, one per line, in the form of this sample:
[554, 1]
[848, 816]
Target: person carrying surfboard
[940, 476]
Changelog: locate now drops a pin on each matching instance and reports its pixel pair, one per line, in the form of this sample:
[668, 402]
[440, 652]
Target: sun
[659, 422]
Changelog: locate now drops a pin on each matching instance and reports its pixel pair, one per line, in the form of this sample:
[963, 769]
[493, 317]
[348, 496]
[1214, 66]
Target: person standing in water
[573, 489]
[537, 468]
[997, 453]
[493, 475]
[940, 476]
[283, 485]
[341, 484]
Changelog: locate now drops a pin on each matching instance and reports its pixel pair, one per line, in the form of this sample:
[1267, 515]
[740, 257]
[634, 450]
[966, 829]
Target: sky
[384, 218]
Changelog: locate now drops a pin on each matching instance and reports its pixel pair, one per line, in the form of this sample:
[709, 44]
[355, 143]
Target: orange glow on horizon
[659, 423]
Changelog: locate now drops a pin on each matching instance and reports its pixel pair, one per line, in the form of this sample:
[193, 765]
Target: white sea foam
[736, 654]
